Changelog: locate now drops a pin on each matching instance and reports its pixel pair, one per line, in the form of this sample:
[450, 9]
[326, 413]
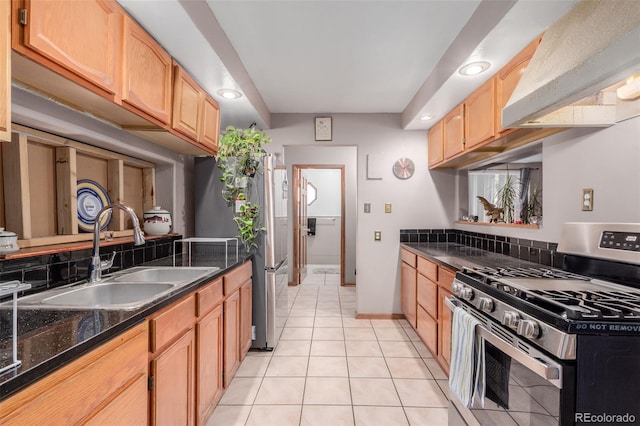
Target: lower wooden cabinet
[408, 293]
[427, 330]
[444, 326]
[231, 336]
[173, 391]
[109, 381]
[245, 317]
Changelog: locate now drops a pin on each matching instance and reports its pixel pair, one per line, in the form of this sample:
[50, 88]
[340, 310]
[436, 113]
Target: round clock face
[403, 168]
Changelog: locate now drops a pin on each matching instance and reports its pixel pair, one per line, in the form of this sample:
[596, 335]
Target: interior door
[300, 226]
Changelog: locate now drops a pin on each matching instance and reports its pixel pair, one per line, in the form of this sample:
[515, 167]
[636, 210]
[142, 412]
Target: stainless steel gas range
[561, 346]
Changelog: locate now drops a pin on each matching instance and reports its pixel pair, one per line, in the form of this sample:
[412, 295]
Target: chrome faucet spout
[96, 265]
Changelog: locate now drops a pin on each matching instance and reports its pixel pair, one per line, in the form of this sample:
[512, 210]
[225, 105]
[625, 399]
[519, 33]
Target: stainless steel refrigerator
[214, 218]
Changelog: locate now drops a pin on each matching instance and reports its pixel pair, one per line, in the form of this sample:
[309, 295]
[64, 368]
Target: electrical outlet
[367, 207]
[387, 207]
[377, 235]
[587, 199]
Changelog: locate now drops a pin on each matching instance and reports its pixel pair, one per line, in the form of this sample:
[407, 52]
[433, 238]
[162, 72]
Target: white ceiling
[336, 56]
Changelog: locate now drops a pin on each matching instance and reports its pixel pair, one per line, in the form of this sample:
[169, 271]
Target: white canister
[157, 221]
[8, 242]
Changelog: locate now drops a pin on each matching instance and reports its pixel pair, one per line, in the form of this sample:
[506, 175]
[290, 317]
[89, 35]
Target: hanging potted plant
[239, 156]
[249, 224]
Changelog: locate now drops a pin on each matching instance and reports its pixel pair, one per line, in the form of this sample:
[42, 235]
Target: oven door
[523, 385]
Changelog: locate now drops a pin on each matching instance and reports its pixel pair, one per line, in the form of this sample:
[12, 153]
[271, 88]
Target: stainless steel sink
[166, 274]
[129, 289]
[114, 295]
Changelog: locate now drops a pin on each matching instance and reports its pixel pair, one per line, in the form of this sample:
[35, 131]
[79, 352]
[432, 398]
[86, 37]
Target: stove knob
[455, 288]
[510, 319]
[485, 304]
[466, 293]
[528, 329]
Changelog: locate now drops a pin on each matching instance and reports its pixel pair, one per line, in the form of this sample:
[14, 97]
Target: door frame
[297, 168]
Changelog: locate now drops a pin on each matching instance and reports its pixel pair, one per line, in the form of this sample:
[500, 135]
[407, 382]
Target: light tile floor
[330, 369]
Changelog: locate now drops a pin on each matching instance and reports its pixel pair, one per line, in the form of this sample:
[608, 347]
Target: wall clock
[403, 168]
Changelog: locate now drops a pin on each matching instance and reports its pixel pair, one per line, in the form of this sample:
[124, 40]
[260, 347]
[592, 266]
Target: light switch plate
[367, 207]
[377, 235]
[587, 199]
[387, 207]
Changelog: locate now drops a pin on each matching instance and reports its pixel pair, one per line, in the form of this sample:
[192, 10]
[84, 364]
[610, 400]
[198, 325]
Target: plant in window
[532, 212]
[506, 197]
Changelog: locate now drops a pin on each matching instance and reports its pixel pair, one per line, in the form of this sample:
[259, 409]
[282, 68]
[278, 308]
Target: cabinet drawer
[172, 322]
[234, 279]
[428, 295]
[428, 269]
[408, 257]
[428, 330]
[209, 296]
[445, 277]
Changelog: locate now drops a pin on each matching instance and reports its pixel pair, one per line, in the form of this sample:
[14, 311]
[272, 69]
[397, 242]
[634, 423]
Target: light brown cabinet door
[408, 284]
[210, 129]
[209, 332]
[188, 101]
[231, 336]
[81, 36]
[435, 140]
[173, 393]
[428, 330]
[130, 407]
[479, 118]
[5, 71]
[444, 333]
[427, 294]
[453, 132]
[245, 318]
[507, 79]
[146, 73]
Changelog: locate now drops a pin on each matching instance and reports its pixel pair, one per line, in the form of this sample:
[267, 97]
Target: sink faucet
[96, 265]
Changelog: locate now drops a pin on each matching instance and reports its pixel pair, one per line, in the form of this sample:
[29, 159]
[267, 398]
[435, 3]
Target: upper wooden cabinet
[147, 72]
[210, 123]
[453, 125]
[479, 118]
[195, 113]
[83, 37]
[435, 144]
[507, 79]
[91, 56]
[5, 71]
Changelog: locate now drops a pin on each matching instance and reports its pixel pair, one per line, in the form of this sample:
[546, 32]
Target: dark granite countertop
[51, 338]
[455, 256]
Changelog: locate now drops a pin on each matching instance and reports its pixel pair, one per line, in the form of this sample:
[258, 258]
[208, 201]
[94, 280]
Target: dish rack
[197, 250]
[13, 287]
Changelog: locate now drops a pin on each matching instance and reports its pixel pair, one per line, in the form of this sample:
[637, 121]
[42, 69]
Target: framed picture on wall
[323, 128]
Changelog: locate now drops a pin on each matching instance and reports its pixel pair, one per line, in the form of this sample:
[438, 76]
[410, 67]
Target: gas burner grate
[590, 304]
[528, 273]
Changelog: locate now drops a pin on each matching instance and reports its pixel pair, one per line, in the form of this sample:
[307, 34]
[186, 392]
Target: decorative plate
[92, 197]
[404, 168]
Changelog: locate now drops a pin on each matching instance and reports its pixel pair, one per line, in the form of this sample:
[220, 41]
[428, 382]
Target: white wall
[607, 160]
[327, 184]
[424, 201]
[324, 246]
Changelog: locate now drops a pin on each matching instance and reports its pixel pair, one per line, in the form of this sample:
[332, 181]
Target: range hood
[574, 75]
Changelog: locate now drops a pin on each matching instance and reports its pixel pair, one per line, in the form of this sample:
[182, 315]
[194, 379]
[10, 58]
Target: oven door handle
[536, 366]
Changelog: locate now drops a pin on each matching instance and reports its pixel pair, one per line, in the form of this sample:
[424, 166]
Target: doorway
[319, 220]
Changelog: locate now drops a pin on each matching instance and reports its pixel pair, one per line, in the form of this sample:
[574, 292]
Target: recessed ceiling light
[229, 93]
[474, 68]
[426, 117]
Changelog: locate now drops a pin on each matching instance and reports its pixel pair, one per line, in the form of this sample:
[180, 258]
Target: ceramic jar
[8, 242]
[157, 221]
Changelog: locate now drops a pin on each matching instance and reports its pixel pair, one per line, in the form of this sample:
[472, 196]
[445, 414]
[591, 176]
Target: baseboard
[379, 316]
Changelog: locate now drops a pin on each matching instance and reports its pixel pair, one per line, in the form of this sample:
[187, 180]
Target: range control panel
[620, 240]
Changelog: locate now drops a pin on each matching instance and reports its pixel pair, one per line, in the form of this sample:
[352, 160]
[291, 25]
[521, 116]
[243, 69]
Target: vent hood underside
[583, 58]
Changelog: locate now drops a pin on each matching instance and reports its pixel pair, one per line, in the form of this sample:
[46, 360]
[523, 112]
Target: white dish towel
[466, 373]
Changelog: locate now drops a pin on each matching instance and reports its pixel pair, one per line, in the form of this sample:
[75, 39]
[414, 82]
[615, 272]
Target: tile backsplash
[65, 267]
[544, 253]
